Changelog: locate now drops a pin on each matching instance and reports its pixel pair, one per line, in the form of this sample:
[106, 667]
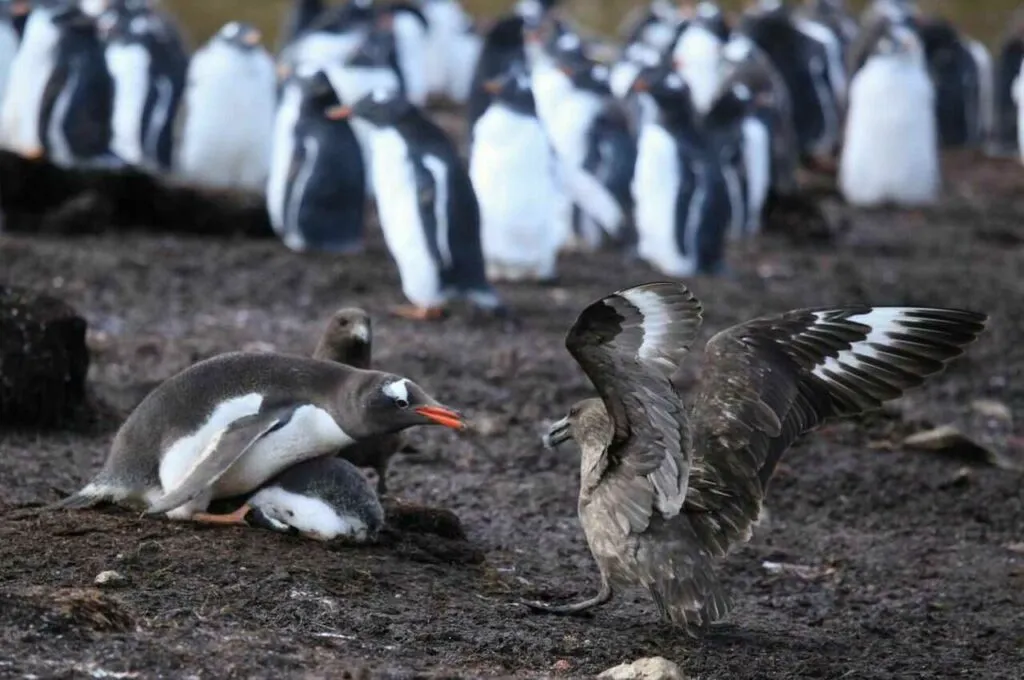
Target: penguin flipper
[54, 86]
[223, 450]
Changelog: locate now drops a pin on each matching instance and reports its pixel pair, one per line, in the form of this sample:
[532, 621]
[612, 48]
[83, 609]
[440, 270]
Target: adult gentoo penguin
[322, 499]
[891, 149]
[666, 489]
[348, 339]
[316, 194]
[77, 104]
[225, 426]
[224, 144]
[428, 210]
[515, 177]
[147, 58]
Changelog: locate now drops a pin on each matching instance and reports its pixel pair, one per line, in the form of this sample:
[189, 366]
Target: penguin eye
[402, 403]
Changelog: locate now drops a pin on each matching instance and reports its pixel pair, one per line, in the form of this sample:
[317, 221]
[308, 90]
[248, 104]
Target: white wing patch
[656, 322]
[398, 389]
[439, 171]
[292, 229]
[882, 322]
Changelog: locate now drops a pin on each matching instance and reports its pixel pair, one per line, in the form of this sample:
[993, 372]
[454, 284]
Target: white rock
[110, 579]
[650, 668]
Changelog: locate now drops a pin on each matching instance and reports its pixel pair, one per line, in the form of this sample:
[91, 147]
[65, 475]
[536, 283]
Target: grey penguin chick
[348, 339]
[225, 426]
[666, 489]
[323, 499]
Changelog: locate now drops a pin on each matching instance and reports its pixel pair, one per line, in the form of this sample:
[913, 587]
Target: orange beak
[531, 36]
[678, 63]
[640, 85]
[442, 416]
[567, 70]
[386, 21]
[252, 38]
[20, 9]
[339, 112]
[492, 86]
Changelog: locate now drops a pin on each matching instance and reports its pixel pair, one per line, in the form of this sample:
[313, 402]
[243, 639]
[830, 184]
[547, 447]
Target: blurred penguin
[454, 49]
[834, 15]
[427, 207]
[229, 112]
[29, 73]
[147, 59]
[1004, 140]
[11, 12]
[316, 195]
[329, 39]
[655, 26]
[514, 173]
[77, 105]
[410, 28]
[683, 201]
[891, 144]
[697, 57]
[300, 16]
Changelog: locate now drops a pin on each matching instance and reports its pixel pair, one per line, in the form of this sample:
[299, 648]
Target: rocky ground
[888, 562]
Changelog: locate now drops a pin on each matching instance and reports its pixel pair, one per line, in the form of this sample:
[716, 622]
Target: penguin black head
[588, 76]
[899, 39]
[241, 35]
[513, 90]
[318, 91]
[533, 9]
[669, 91]
[378, 49]
[381, 108]
[68, 16]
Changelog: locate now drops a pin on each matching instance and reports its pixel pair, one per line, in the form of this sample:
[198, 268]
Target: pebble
[111, 579]
[649, 668]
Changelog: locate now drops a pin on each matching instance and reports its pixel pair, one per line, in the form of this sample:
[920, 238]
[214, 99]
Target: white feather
[229, 123]
[986, 86]
[757, 160]
[129, 67]
[519, 198]
[411, 45]
[309, 515]
[655, 188]
[891, 141]
[293, 232]
[656, 322]
[698, 56]
[282, 150]
[439, 171]
[29, 73]
[8, 51]
[398, 389]
[883, 322]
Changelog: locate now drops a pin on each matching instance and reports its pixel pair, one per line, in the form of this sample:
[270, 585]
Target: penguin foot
[415, 313]
[236, 517]
[33, 154]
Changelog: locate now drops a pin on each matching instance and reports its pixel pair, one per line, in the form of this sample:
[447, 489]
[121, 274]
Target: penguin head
[901, 40]
[390, 403]
[318, 91]
[513, 90]
[587, 75]
[240, 35]
[669, 91]
[68, 16]
[383, 107]
[376, 50]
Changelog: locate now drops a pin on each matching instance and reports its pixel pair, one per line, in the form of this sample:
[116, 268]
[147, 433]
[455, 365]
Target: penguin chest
[129, 67]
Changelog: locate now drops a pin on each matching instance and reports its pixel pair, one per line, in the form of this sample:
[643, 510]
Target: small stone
[259, 347]
[990, 408]
[489, 425]
[110, 579]
[649, 668]
[561, 666]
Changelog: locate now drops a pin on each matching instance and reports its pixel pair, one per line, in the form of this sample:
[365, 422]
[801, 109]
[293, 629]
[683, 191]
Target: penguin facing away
[684, 201]
[519, 201]
[322, 200]
[147, 59]
[223, 145]
[891, 149]
[427, 207]
[77, 105]
[226, 425]
[29, 74]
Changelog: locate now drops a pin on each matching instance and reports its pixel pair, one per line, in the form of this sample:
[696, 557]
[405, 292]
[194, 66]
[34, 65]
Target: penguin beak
[20, 9]
[567, 70]
[640, 85]
[442, 416]
[339, 112]
[492, 86]
[559, 433]
[252, 38]
[283, 71]
[386, 22]
[678, 64]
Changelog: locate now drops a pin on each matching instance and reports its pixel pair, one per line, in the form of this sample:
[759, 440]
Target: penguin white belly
[398, 207]
[623, 75]
[463, 56]
[8, 50]
[283, 148]
[129, 67]
[309, 433]
[757, 159]
[891, 149]
[309, 515]
[518, 201]
[321, 50]
[411, 45]
[29, 74]
[443, 17]
[353, 83]
[60, 150]
[221, 148]
[1017, 92]
[656, 186]
[986, 87]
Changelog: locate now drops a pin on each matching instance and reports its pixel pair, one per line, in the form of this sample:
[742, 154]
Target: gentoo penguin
[29, 73]
[316, 194]
[147, 59]
[697, 56]
[654, 26]
[1011, 55]
[410, 28]
[684, 202]
[17, 12]
[742, 141]
[329, 39]
[834, 15]
[891, 149]
[427, 207]
[667, 489]
[76, 110]
[222, 145]
[322, 499]
[10, 37]
[348, 339]
[225, 426]
[807, 56]
[515, 177]
[503, 49]
[453, 49]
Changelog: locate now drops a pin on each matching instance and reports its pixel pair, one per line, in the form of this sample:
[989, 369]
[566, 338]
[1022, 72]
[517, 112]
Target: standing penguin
[428, 210]
[410, 27]
[29, 74]
[1011, 54]
[683, 200]
[147, 59]
[891, 148]
[330, 38]
[229, 109]
[316, 192]
[697, 55]
[77, 105]
[453, 49]
[519, 201]
[10, 37]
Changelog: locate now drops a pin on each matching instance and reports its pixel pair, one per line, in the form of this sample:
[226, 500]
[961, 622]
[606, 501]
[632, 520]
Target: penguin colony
[670, 146]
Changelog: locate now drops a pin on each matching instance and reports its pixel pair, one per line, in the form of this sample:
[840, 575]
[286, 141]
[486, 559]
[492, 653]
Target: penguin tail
[90, 495]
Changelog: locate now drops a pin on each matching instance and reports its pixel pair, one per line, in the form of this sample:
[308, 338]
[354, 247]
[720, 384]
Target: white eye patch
[231, 30]
[381, 95]
[568, 41]
[741, 91]
[398, 390]
[674, 82]
[601, 73]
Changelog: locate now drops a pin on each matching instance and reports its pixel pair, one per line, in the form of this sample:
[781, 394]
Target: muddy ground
[913, 566]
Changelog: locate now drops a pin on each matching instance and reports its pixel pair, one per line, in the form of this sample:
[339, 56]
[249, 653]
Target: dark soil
[914, 567]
